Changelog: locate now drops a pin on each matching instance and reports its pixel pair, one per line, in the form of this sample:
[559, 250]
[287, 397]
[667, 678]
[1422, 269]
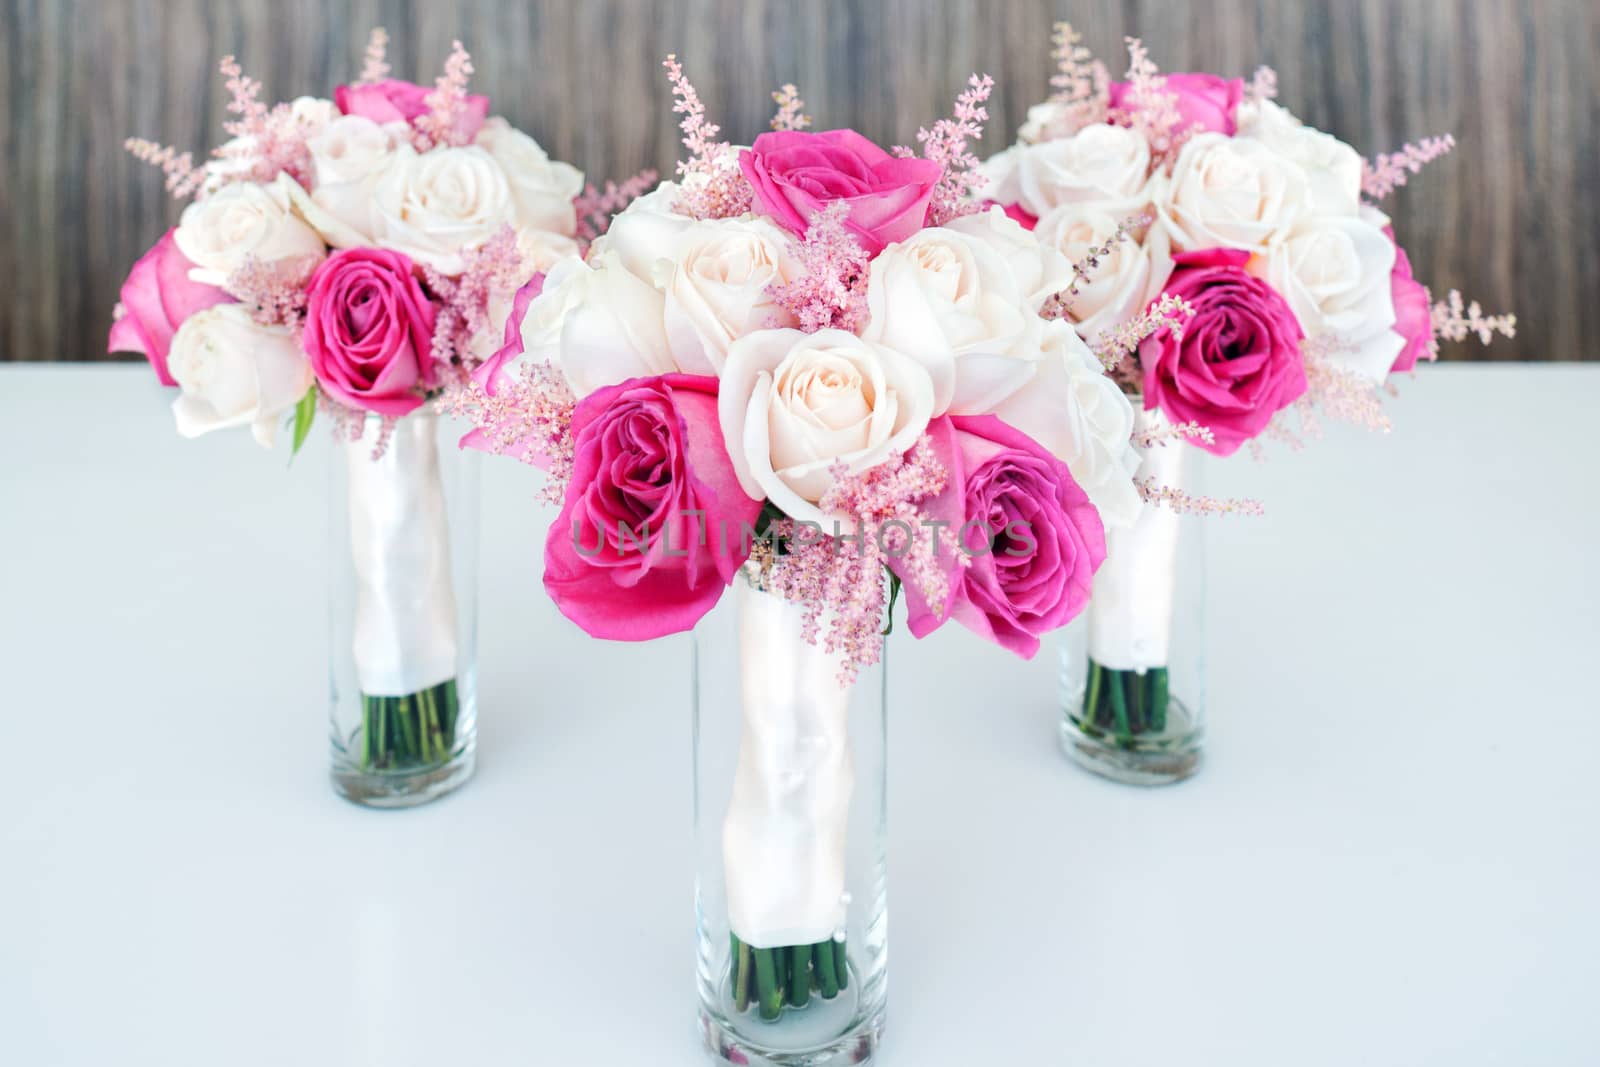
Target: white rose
[1333, 168]
[599, 322]
[1334, 273]
[438, 204]
[1071, 407]
[792, 404]
[1041, 270]
[1099, 163]
[541, 250]
[642, 238]
[1000, 175]
[234, 371]
[542, 188]
[1232, 192]
[1127, 278]
[240, 221]
[1044, 119]
[951, 301]
[715, 283]
[348, 157]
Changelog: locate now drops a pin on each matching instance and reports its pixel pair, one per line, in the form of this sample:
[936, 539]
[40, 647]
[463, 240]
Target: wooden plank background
[1511, 217]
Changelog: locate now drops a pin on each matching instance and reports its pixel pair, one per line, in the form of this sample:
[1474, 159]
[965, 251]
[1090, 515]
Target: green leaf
[304, 412]
[894, 597]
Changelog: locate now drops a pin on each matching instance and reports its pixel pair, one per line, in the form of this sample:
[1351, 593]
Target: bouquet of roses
[1256, 246]
[349, 256]
[817, 371]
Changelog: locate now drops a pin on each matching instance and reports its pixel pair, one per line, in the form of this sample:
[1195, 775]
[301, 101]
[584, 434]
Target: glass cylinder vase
[403, 521]
[1133, 664]
[790, 813]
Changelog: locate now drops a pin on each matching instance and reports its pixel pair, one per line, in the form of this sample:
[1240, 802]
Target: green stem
[741, 975]
[823, 951]
[800, 975]
[1158, 699]
[1119, 701]
[1091, 697]
[841, 968]
[767, 988]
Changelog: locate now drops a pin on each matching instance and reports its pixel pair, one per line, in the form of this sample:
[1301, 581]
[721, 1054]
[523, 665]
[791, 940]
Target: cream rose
[1041, 271]
[1071, 407]
[792, 404]
[1232, 192]
[715, 285]
[951, 300]
[599, 322]
[234, 371]
[1126, 279]
[348, 156]
[1098, 164]
[240, 221]
[541, 187]
[1334, 272]
[1332, 168]
[435, 205]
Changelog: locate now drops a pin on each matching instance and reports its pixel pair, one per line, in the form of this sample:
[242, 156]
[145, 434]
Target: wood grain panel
[1512, 218]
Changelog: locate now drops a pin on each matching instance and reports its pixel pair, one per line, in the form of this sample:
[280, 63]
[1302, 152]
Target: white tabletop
[1391, 858]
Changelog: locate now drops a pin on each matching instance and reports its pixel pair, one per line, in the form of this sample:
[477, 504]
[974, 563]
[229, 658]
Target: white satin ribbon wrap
[405, 620]
[1130, 614]
[783, 841]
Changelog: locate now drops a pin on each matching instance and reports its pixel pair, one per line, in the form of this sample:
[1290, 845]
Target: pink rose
[369, 330]
[649, 534]
[156, 298]
[393, 100]
[1239, 360]
[1413, 310]
[1207, 103]
[796, 174]
[1033, 538]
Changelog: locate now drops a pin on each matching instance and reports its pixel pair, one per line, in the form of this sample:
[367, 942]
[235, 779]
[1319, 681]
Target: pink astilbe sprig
[445, 121]
[1058, 305]
[839, 581]
[375, 65]
[713, 185]
[1454, 320]
[243, 100]
[791, 109]
[349, 424]
[1169, 312]
[267, 141]
[1080, 87]
[528, 417]
[831, 293]
[596, 207]
[1390, 170]
[1150, 107]
[274, 291]
[183, 177]
[1188, 504]
[1160, 436]
[1332, 390]
[495, 267]
[946, 145]
[1262, 86]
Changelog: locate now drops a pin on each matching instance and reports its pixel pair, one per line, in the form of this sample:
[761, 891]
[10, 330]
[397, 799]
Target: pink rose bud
[369, 330]
[796, 174]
